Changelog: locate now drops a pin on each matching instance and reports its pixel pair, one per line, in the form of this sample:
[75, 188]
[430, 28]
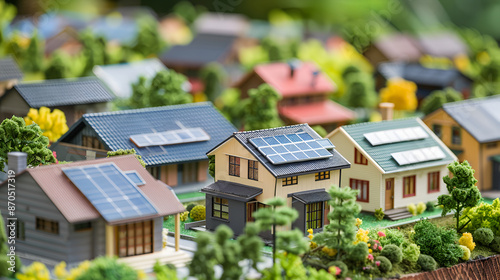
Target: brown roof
[74, 205]
[485, 269]
[398, 47]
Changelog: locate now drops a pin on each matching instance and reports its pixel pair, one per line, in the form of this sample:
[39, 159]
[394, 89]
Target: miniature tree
[230, 253]
[34, 63]
[260, 109]
[439, 97]
[122, 152]
[205, 258]
[15, 135]
[360, 90]
[187, 11]
[276, 215]
[230, 105]
[53, 124]
[462, 190]
[140, 94]
[94, 51]
[341, 232]
[106, 268]
[58, 67]
[251, 244]
[148, 40]
[400, 92]
[211, 166]
[213, 76]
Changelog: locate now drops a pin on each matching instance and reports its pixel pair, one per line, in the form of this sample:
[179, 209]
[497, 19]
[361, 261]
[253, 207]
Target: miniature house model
[79, 211]
[394, 163]
[172, 140]
[470, 129]
[291, 162]
[304, 90]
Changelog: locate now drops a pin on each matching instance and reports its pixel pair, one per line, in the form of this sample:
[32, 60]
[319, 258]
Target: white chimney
[90, 155]
[386, 110]
[17, 161]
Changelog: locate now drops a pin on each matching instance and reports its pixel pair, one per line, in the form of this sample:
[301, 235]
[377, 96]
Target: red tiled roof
[76, 208]
[317, 113]
[278, 76]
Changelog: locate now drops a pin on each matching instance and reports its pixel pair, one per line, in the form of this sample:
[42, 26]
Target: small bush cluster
[427, 263]
[385, 264]
[483, 216]
[184, 216]
[467, 241]
[379, 214]
[412, 208]
[190, 207]
[198, 213]
[495, 244]
[430, 206]
[483, 236]
[411, 253]
[341, 265]
[421, 208]
[466, 252]
[392, 253]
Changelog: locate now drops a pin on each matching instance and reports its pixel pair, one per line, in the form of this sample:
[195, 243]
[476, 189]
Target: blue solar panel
[289, 148]
[135, 177]
[326, 143]
[110, 191]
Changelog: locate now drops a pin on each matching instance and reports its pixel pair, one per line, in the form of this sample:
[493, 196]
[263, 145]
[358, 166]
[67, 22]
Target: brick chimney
[386, 110]
[17, 161]
[89, 155]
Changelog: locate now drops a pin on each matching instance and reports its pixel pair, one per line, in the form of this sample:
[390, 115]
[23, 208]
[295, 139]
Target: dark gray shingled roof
[9, 70]
[232, 190]
[62, 92]
[337, 161]
[312, 196]
[480, 117]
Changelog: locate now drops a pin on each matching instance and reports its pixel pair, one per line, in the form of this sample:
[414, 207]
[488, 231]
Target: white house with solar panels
[291, 162]
[78, 211]
[394, 163]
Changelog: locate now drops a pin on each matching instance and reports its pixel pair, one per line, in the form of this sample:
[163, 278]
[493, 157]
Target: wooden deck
[167, 255]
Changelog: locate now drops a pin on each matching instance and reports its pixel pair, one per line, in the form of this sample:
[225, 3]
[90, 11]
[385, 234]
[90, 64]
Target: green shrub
[385, 264]
[198, 213]
[412, 208]
[341, 265]
[106, 268]
[466, 252]
[427, 263]
[183, 216]
[421, 208]
[411, 253]
[393, 236]
[430, 206]
[379, 214]
[495, 244]
[392, 253]
[358, 253]
[438, 243]
[190, 207]
[483, 216]
[483, 236]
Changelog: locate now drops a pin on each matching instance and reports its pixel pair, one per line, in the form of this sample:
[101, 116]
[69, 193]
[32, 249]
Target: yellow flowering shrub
[183, 216]
[36, 271]
[400, 92]
[362, 236]
[52, 123]
[358, 222]
[329, 251]
[467, 241]
[466, 253]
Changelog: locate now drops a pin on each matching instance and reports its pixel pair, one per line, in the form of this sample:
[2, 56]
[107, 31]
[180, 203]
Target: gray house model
[291, 162]
[74, 97]
[172, 140]
[10, 74]
[78, 211]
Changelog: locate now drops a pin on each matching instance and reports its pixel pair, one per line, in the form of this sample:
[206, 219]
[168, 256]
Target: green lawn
[170, 225]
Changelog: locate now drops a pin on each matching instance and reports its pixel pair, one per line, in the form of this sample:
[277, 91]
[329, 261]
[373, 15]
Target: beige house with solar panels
[394, 163]
[291, 162]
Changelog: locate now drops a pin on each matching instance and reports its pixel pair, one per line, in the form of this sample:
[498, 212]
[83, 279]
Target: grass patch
[169, 224]
[191, 196]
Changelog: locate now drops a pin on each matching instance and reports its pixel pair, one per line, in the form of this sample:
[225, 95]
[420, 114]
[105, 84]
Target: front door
[496, 173]
[389, 193]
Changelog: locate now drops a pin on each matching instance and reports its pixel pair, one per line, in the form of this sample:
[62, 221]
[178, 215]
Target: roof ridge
[383, 121]
[271, 129]
[152, 109]
[77, 163]
[51, 82]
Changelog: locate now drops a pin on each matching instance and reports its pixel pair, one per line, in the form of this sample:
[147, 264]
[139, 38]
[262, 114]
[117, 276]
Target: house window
[363, 187]
[82, 226]
[437, 129]
[314, 215]
[322, 176]
[290, 181]
[135, 239]
[20, 232]
[253, 170]
[92, 142]
[252, 207]
[220, 208]
[456, 137]
[47, 225]
[433, 182]
[234, 166]
[409, 186]
[154, 171]
[359, 158]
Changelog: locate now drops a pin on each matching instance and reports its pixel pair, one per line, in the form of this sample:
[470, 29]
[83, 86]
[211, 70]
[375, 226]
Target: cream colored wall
[371, 172]
[421, 189]
[470, 146]
[485, 174]
[267, 182]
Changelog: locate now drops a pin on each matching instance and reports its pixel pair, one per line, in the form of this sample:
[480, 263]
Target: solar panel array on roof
[395, 135]
[110, 191]
[135, 177]
[290, 148]
[418, 155]
[326, 143]
[170, 137]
